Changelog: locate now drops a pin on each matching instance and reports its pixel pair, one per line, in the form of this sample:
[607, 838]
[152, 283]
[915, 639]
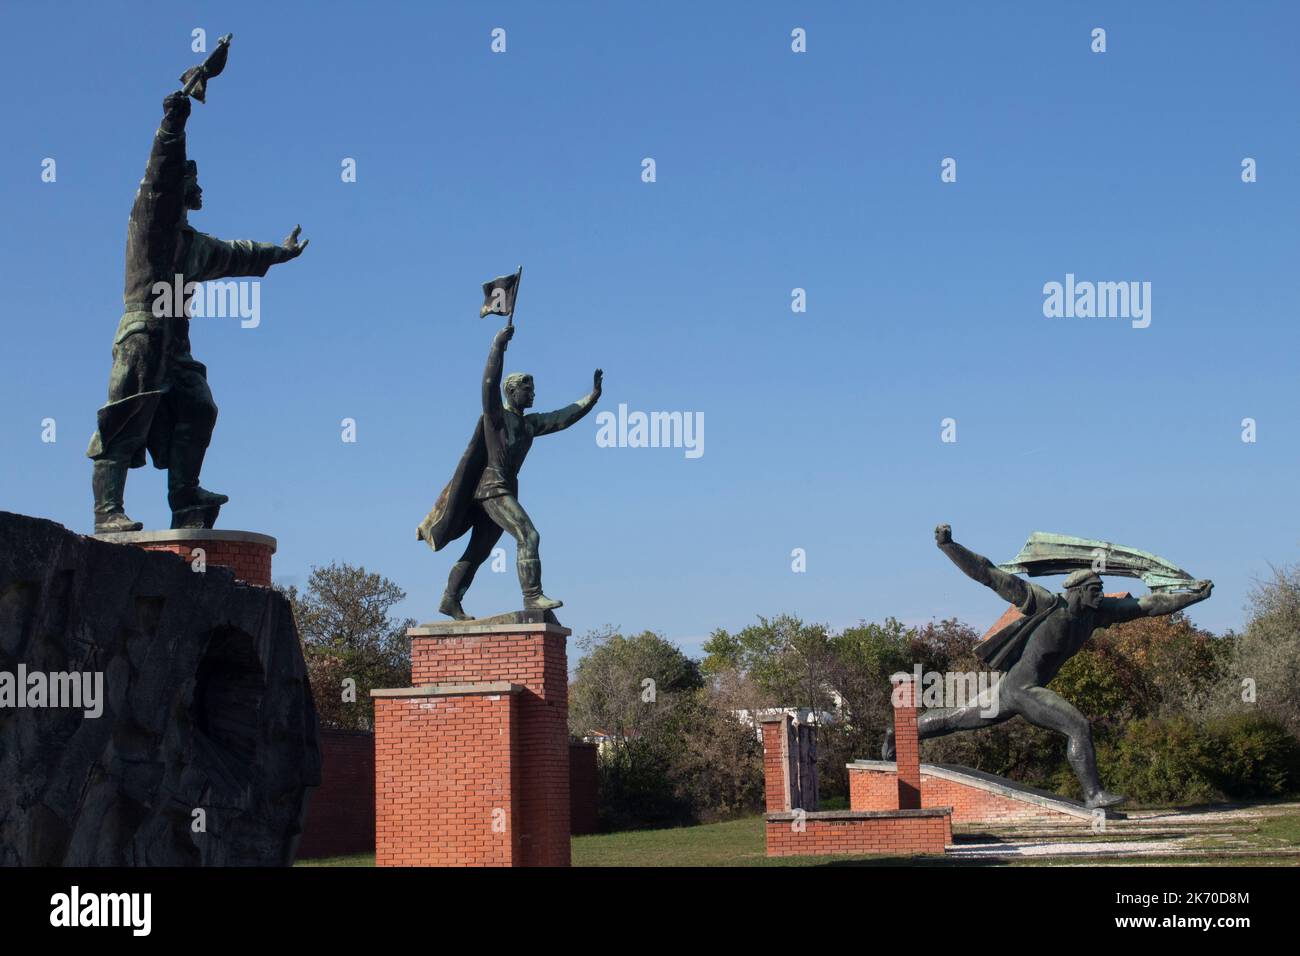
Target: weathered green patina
[1048, 553]
[158, 395]
[1051, 629]
[482, 496]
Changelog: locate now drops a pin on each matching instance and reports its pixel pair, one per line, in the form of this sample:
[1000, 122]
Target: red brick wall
[583, 777]
[444, 770]
[250, 561]
[874, 789]
[537, 660]
[907, 745]
[892, 836]
[341, 814]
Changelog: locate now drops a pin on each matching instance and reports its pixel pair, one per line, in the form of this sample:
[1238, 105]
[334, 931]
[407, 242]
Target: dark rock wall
[206, 706]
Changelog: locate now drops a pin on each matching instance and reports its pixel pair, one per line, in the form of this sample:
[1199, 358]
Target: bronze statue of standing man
[483, 494]
[158, 395]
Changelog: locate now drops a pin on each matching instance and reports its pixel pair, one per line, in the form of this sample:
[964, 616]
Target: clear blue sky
[775, 170]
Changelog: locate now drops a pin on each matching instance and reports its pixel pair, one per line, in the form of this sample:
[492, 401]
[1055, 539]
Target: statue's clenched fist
[177, 104]
[597, 382]
[943, 535]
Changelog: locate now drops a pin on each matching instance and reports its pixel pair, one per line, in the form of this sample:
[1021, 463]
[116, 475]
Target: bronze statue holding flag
[483, 494]
[158, 395]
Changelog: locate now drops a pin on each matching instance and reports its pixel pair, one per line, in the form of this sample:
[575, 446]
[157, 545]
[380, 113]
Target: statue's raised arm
[979, 568]
[492, 374]
[159, 208]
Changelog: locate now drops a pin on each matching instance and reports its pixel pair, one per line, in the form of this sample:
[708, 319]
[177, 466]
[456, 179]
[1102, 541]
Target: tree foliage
[348, 634]
[1265, 663]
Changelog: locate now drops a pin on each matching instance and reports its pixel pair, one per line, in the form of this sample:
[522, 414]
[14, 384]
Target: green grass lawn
[1280, 831]
[743, 843]
[734, 843]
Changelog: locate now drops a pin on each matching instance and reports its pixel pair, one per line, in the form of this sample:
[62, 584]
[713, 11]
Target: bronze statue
[1033, 648]
[158, 395]
[483, 494]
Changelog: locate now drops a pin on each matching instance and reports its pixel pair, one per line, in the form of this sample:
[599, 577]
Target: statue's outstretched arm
[1118, 610]
[544, 423]
[979, 568]
[212, 258]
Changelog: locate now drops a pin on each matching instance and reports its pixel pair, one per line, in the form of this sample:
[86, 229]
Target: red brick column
[246, 553]
[907, 745]
[447, 775]
[532, 656]
[776, 762]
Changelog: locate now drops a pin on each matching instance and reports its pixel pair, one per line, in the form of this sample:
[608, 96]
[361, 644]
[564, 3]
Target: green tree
[1265, 665]
[718, 771]
[864, 657]
[792, 662]
[638, 691]
[1151, 667]
[348, 633]
[625, 686]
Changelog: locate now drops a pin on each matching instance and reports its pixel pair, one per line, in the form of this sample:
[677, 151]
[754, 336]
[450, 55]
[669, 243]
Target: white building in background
[803, 715]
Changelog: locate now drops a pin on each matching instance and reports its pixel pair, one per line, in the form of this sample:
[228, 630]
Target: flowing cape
[1001, 650]
[452, 514]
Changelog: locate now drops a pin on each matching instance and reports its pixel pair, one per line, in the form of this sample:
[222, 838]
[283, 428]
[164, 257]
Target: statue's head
[518, 387]
[1083, 590]
[193, 192]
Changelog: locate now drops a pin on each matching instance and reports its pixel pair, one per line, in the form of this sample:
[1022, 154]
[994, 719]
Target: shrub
[1160, 762]
[1254, 756]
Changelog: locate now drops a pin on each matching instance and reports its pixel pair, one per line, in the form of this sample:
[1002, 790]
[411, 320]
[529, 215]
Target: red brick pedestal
[472, 763]
[971, 797]
[795, 830]
[246, 553]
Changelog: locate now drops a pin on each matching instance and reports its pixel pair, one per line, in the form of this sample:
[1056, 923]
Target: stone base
[246, 553]
[524, 616]
[975, 797]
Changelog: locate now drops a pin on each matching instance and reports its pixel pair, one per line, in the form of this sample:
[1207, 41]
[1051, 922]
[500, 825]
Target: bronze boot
[458, 582]
[109, 483]
[530, 580]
